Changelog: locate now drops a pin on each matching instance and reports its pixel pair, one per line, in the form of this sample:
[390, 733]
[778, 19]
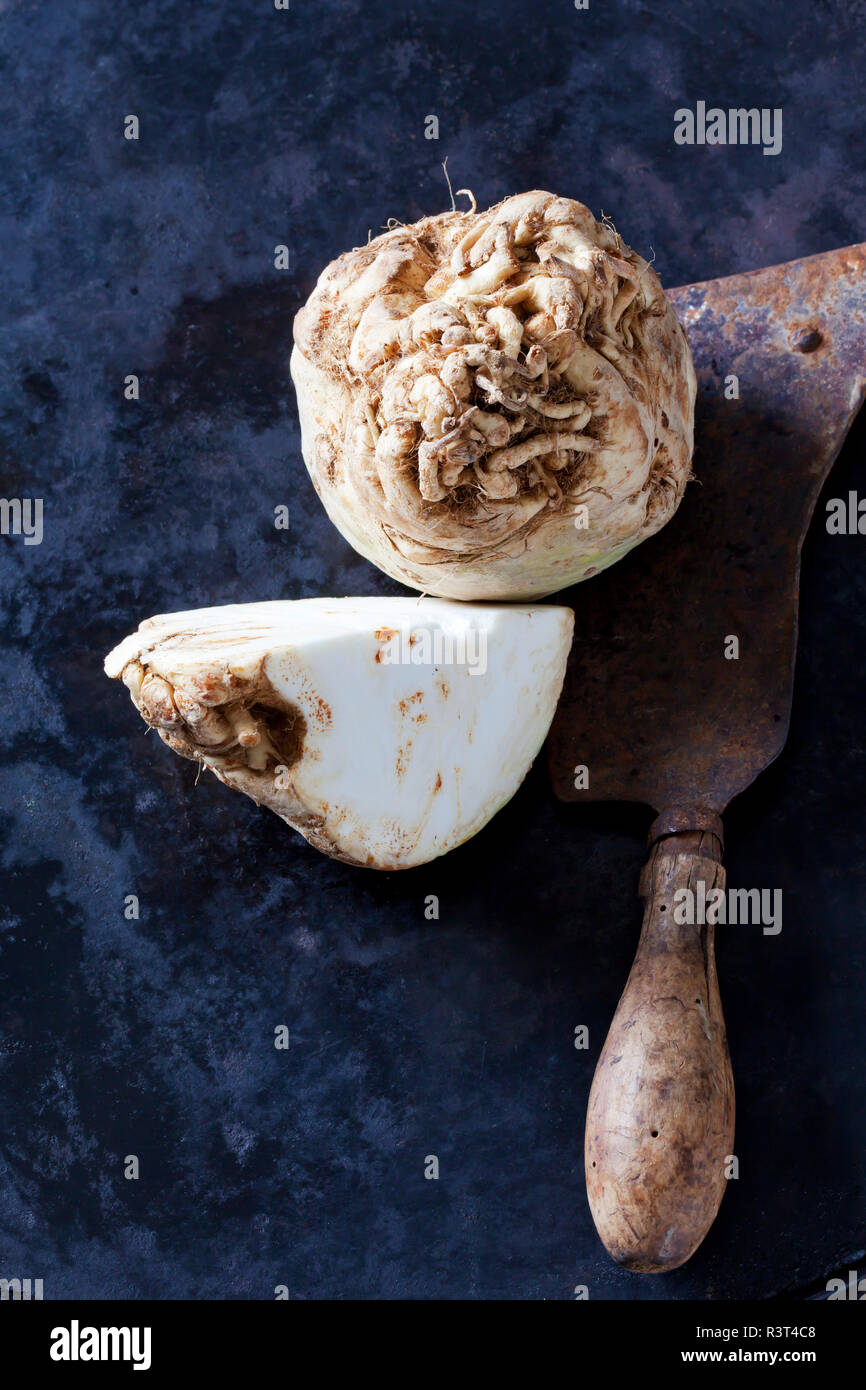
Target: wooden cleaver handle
[660, 1122]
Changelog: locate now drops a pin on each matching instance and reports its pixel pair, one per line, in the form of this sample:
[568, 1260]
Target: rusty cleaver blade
[678, 694]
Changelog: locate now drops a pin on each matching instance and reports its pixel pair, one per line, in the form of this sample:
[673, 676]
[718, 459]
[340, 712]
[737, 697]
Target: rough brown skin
[660, 1121]
[241, 732]
[495, 404]
[238, 728]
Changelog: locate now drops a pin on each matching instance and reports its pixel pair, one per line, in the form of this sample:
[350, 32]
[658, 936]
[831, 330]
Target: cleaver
[678, 694]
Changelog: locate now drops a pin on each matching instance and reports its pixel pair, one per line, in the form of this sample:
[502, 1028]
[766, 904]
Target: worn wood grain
[660, 1122]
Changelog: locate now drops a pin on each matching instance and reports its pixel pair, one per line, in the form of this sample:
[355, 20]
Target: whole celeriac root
[470, 385]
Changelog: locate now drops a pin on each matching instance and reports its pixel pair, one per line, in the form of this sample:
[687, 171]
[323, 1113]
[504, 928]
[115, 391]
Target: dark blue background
[409, 1037]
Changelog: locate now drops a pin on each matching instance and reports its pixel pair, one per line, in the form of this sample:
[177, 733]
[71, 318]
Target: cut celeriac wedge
[385, 730]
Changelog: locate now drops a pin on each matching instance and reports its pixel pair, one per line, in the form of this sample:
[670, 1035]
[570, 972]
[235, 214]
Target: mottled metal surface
[654, 704]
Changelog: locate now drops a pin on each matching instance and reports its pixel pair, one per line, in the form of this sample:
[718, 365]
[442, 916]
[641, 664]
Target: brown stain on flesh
[322, 713]
[408, 708]
[385, 635]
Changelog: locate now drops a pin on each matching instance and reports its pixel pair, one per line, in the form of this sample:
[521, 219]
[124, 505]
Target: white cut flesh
[386, 730]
